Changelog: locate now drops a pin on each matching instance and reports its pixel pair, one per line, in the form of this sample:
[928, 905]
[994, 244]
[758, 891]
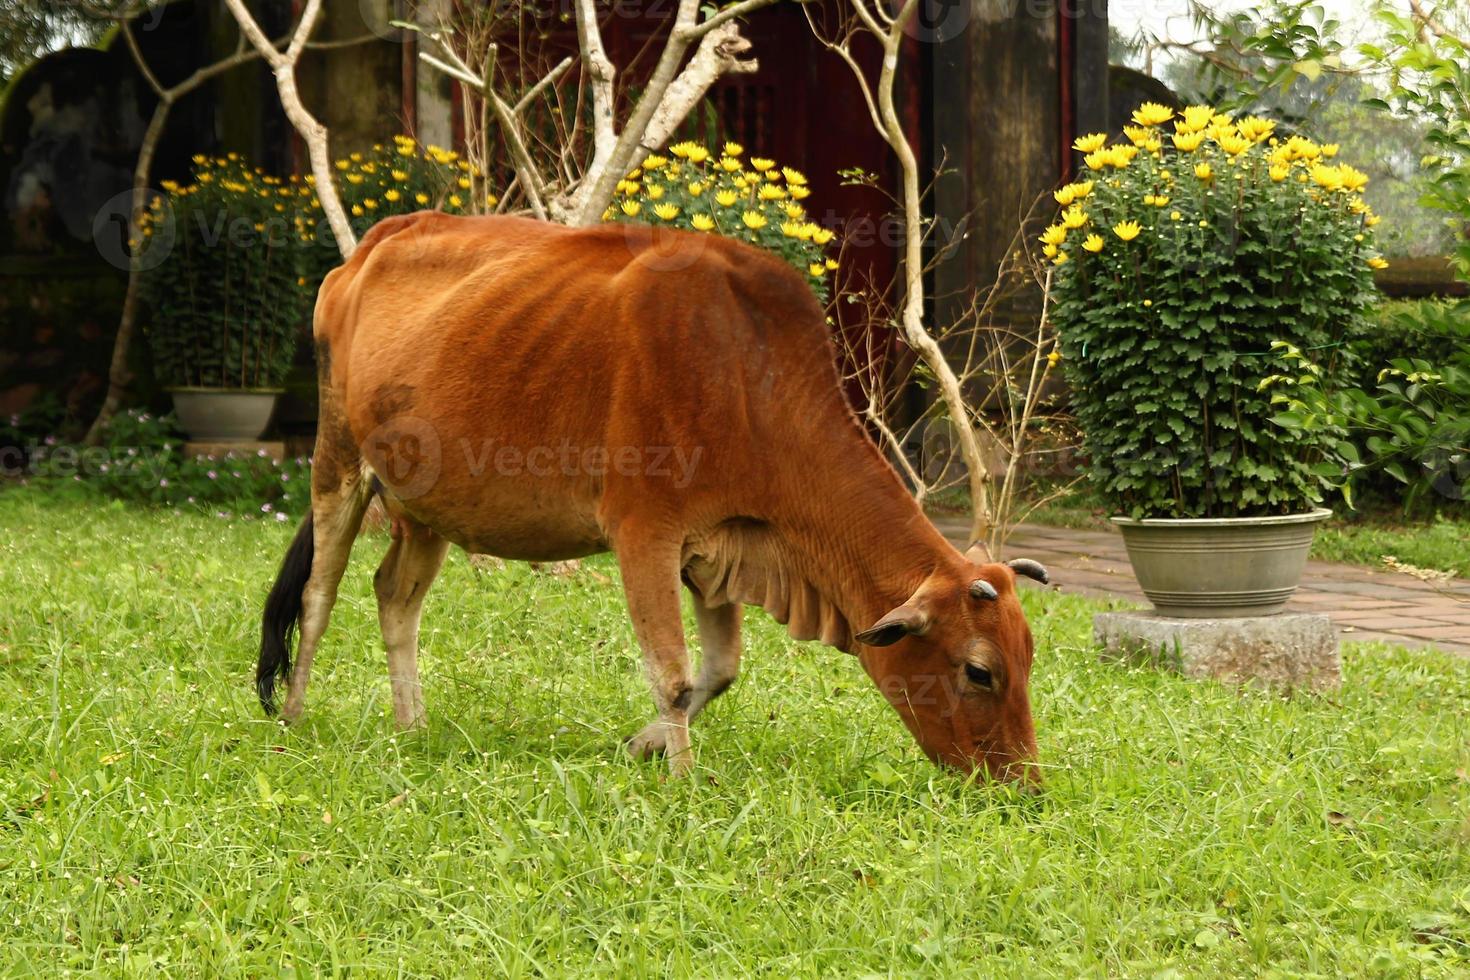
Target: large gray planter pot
[1219, 567]
[224, 414]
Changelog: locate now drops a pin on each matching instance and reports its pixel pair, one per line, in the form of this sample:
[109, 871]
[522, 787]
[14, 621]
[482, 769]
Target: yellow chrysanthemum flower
[1152, 114]
[832, 265]
[1377, 263]
[1279, 172]
[421, 198]
[770, 192]
[1090, 143]
[795, 177]
[354, 178]
[400, 175]
[794, 229]
[801, 193]
[697, 154]
[817, 269]
[1329, 150]
[1054, 235]
[1194, 118]
[1093, 243]
[1352, 179]
[357, 211]
[1074, 217]
[702, 222]
[464, 183]
[1127, 230]
[1255, 129]
[653, 161]
[823, 235]
[1175, 216]
[794, 211]
[655, 191]
[630, 208]
[1372, 220]
[726, 199]
[1061, 257]
[1096, 160]
[1204, 171]
[762, 164]
[1325, 177]
[732, 149]
[391, 195]
[730, 164]
[1065, 195]
[696, 188]
[753, 220]
[666, 212]
[1233, 143]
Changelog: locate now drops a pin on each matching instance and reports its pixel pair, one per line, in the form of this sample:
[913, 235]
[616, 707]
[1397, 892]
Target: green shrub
[752, 199]
[1411, 424]
[224, 308]
[140, 461]
[1178, 263]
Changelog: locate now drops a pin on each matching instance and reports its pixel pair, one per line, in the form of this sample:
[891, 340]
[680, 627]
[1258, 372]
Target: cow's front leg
[719, 665]
[651, 583]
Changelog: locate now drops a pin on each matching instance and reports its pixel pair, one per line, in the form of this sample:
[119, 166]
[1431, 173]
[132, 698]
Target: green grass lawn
[150, 818]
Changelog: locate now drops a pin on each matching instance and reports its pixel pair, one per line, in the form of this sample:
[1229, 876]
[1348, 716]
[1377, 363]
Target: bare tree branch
[315, 135]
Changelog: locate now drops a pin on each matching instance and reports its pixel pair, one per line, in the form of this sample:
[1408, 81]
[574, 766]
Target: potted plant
[226, 306]
[1196, 254]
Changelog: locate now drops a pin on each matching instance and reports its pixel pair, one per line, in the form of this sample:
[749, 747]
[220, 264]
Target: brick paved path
[1365, 604]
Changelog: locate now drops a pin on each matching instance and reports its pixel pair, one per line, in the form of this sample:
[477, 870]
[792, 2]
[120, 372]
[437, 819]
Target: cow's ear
[906, 620]
[978, 554]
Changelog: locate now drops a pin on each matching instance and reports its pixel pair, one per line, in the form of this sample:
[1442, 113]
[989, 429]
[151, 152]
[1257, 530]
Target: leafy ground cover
[151, 819]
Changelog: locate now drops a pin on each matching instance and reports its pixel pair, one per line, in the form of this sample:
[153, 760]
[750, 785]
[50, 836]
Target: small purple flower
[285, 477]
[103, 468]
[50, 440]
[163, 482]
[265, 508]
[280, 516]
[260, 453]
[212, 475]
[191, 500]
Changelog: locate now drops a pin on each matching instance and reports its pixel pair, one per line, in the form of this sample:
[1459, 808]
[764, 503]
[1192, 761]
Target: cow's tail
[282, 612]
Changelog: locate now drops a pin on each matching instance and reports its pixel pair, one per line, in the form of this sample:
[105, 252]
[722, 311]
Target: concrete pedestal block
[1287, 651]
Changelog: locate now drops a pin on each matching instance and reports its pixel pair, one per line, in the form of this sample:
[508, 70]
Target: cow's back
[553, 380]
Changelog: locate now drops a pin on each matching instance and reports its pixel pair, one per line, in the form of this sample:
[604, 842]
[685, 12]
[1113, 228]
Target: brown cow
[537, 392]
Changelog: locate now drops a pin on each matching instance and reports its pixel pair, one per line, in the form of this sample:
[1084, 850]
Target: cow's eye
[979, 676]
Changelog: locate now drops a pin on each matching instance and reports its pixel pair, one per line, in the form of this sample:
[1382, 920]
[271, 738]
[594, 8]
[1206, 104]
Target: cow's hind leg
[410, 567]
[651, 583]
[719, 665]
[340, 497]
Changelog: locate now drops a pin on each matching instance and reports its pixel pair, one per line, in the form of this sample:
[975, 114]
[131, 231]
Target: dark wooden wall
[1010, 88]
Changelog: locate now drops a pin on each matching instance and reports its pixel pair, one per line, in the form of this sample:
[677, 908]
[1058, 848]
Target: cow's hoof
[650, 742]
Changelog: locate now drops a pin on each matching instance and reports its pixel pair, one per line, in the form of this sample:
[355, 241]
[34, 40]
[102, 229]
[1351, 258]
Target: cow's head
[955, 661]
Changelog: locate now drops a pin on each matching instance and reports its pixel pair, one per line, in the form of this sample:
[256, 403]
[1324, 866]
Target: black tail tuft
[282, 611]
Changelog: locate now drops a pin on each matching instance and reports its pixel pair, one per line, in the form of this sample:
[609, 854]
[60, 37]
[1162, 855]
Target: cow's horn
[981, 589]
[1030, 569]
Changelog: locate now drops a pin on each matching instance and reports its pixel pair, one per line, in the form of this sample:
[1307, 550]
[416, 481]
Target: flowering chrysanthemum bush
[1183, 254]
[248, 251]
[226, 301]
[753, 199]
